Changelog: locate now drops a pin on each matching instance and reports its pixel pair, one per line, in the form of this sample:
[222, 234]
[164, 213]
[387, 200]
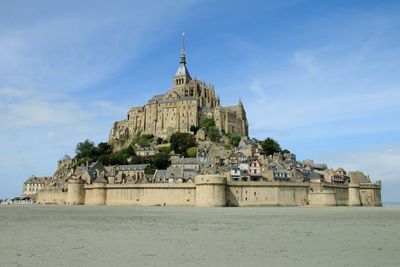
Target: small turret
[240, 109]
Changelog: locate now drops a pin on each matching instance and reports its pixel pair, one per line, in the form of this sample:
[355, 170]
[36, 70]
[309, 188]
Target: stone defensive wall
[141, 194]
[51, 196]
[266, 194]
[213, 191]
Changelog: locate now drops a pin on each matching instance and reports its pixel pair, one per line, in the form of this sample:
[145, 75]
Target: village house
[185, 163]
[89, 173]
[160, 176]
[121, 174]
[255, 167]
[278, 175]
[235, 173]
[180, 175]
[35, 183]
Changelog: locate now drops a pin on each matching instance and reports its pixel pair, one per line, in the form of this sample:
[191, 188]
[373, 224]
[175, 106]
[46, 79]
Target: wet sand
[33, 235]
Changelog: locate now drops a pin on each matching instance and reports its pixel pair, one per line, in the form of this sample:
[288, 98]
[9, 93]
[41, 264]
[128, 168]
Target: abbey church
[187, 103]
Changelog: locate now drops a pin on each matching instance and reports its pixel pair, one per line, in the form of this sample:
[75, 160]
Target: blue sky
[321, 77]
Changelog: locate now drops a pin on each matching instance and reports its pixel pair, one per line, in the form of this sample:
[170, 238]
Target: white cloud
[79, 47]
[380, 163]
[107, 108]
[305, 61]
[12, 92]
[27, 109]
[32, 109]
[333, 113]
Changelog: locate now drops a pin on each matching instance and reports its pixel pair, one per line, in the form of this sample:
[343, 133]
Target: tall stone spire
[183, 55]
[182, 75]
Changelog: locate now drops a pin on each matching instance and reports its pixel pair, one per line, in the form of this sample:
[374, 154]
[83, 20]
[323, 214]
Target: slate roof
[185, 161]
[37, 180]
[100, 179]
[177, 172]
[182, 71]
[131, 167]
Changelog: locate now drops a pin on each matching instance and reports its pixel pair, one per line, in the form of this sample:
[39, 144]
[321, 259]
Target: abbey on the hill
[184, 105]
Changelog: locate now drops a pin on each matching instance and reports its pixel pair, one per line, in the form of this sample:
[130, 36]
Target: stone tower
[210, 190]
[241, 116]
[76, 191]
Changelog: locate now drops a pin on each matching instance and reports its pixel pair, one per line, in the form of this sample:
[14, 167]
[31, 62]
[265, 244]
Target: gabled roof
[100, 180]
[158, 174]
[37, 180]
[131, 167]
[185, 161]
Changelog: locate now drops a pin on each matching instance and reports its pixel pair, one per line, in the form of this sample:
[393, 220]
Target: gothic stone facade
[187, 103]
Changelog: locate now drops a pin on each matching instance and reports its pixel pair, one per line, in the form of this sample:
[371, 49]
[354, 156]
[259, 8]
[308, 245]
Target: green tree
[158, 161]
[66, 157]
[213, 134]
[194, 129]
[121, 157]
[180, 142]
[211, 129]
[165, 149]
[192, 152]
[270, 146]
[285, 151]
[103, 148]
[85, 151]
[234, 139]
[136, 159]
[144, 140]
[208, 123]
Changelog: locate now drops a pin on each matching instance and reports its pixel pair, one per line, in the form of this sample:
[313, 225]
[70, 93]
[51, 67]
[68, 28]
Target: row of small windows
[180, 81]
[33, 185]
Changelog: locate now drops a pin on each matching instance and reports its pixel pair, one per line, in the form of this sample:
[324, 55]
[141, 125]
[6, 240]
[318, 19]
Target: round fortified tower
[354, 195]
[76, 192]
[98, 191]
[210, 190]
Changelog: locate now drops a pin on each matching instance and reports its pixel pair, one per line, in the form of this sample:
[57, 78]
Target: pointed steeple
[182, 75]
[240, 101]
[183, 55]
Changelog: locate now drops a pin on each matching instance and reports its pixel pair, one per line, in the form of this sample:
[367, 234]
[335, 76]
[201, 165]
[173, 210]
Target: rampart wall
[214, 190]
[51, 196]
[142, 194]
[266, 194]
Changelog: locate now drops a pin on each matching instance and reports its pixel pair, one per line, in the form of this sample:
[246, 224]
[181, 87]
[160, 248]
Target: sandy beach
[33, 235]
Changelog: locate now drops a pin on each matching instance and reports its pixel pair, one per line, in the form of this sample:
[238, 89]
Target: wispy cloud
[380, 163]
[54, 56]
[305, 61]
[332, 90]
[77, 49]
[31, 109]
